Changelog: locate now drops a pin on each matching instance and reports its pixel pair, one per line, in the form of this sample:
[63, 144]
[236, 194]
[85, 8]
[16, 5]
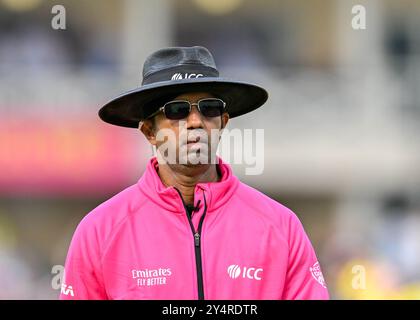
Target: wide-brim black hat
[172, 71]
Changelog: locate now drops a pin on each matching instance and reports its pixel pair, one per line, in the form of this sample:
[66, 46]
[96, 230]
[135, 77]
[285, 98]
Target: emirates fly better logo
[151, 277]
[234, 271]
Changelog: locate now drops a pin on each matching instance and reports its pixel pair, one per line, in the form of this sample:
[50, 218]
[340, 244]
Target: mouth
[196, 137]
[194, 140]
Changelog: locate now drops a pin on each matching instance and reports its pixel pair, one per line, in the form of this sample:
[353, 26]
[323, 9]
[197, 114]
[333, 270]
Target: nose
[194, 119]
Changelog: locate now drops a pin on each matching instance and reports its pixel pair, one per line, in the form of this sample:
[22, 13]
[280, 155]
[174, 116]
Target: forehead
[194, 96]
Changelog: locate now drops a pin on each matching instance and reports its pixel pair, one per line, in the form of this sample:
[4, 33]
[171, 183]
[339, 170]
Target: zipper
[197, 246]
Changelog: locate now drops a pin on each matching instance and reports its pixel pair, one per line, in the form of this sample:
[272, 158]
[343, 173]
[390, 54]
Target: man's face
[187, 141]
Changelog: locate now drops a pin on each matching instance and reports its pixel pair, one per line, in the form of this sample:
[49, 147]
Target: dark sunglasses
[180, 109]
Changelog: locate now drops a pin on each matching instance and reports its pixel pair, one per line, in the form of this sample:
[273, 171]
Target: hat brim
[128, 109]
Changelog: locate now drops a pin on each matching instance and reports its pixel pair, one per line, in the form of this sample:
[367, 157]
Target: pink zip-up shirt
[239, 244]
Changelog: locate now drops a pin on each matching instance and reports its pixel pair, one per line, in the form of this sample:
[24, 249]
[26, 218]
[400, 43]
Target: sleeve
[304, 279]
[82, 278]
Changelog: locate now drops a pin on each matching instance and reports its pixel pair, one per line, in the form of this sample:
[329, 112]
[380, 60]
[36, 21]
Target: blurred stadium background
[341, 125]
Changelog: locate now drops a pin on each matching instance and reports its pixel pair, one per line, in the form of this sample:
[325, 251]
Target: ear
[147, 127]
[225, 119]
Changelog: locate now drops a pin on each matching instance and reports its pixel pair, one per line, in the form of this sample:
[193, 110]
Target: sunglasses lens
[177, 110]
[211, 107]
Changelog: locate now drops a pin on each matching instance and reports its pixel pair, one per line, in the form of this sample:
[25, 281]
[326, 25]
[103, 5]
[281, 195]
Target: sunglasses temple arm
[154, 113]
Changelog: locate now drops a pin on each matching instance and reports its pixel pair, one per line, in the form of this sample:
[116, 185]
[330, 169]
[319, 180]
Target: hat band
[180, 73]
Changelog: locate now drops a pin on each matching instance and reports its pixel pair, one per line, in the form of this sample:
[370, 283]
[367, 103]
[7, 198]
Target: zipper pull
[197, 239]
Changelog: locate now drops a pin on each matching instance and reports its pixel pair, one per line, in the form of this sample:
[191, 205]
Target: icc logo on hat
[179, 76]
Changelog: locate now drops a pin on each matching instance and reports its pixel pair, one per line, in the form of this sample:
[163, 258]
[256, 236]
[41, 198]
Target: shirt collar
[217, 193]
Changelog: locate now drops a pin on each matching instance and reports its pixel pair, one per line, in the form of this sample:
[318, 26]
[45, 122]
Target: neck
[185, 178]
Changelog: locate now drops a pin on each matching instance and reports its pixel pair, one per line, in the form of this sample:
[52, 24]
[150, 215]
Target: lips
[194, 140]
